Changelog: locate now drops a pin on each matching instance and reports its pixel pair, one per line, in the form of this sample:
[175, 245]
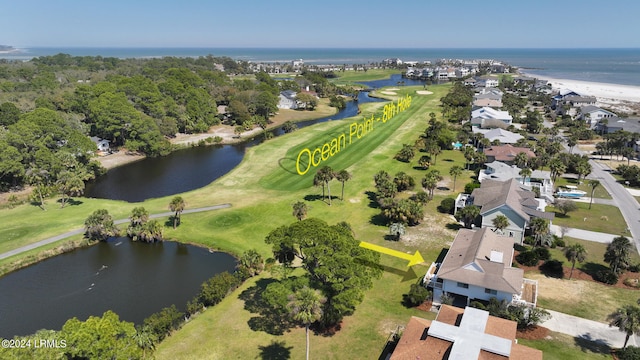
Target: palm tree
[571, 142]
[152, 231]
[252, 261]
[305, 306]
[573, 253]
[500, 222]
[145, 339]
[468, 215]
[468, 153]
[323, 176]
[627, 320]
[617, 253]
[99, 226]
[177, 205]
[434, 150]
[593, 183]
[539, 228]
[525, 172]
[430, 181]
[455, 171]
[583, 169]
[557, 168]
[300, 210]
[139, 217]
[521, 159]
[343, 176]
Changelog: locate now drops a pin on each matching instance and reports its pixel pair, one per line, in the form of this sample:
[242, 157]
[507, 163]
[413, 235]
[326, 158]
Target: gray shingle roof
[468, 261]
[493, 194]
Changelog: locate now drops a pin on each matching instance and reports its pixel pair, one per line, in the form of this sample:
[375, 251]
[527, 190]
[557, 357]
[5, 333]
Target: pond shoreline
[226, 132]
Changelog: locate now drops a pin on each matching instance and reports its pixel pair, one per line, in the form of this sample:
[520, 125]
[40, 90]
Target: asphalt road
[81, 230]
[627, 204]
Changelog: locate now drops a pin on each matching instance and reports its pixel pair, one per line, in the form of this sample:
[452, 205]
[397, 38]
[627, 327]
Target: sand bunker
[393, 89]
[388, 93]
[423, 92]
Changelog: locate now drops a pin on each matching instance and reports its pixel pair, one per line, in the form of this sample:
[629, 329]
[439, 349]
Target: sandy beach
[625, 98]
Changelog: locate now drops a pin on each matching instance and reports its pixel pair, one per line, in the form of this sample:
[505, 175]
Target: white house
[287, 100]
[487, 113]
[101, 144]
[591, 115]
[500, 171]
[478, 267]
[501, 135]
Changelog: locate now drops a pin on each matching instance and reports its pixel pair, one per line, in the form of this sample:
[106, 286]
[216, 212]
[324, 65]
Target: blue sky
[326, 23]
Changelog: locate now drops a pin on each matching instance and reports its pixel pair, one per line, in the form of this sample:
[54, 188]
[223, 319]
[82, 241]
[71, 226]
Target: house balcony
[462, 200]
[430, 279]
[529, 294]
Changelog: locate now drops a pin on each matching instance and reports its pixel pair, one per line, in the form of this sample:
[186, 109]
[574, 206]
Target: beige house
[478, 267]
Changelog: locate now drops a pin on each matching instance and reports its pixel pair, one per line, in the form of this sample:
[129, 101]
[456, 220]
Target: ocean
[614, 66]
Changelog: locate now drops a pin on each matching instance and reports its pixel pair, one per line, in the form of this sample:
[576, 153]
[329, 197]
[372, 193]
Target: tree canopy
[333, 259]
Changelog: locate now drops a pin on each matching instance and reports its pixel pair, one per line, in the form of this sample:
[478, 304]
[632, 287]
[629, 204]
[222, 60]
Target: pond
[193, 168]
[133, 279]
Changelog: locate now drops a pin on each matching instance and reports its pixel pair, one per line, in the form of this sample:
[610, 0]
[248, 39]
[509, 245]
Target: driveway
[589, 330]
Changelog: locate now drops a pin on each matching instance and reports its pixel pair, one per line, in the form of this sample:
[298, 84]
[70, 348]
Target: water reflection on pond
[132, 279]
[194, 168]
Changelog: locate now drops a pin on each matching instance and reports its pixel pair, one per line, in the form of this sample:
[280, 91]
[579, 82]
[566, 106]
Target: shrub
[416, 296]
[542, 253]
[634, 283]
[634, 268]
[628, 353]
[216, 288]
[559, 242]
[446, 299]
[447, 205]
[468, 188]
[527, 258]
[529, 240]
[421, 197]
[164, 322]
[607, 276]
[552, 268]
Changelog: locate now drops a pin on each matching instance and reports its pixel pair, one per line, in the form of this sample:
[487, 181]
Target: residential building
[101, 144]
[485, 102]
[287, 100]
[462, 334]
[479, 116]
[497, 134]
[500, 171]
[511, 199]
[592, 115]
[558, 99]
[506, 153]
[613, 124]
[477, 266]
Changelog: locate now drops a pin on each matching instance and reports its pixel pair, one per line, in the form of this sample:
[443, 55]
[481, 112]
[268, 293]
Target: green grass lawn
[351, 76]
[600, 191]
[562, 347]
[595, 252]
[575, 297]
[601, 218]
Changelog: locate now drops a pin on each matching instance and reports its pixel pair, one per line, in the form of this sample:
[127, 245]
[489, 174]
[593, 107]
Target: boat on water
[570, 191]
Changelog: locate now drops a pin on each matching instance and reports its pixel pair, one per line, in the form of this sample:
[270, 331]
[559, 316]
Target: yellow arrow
[413, 259]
